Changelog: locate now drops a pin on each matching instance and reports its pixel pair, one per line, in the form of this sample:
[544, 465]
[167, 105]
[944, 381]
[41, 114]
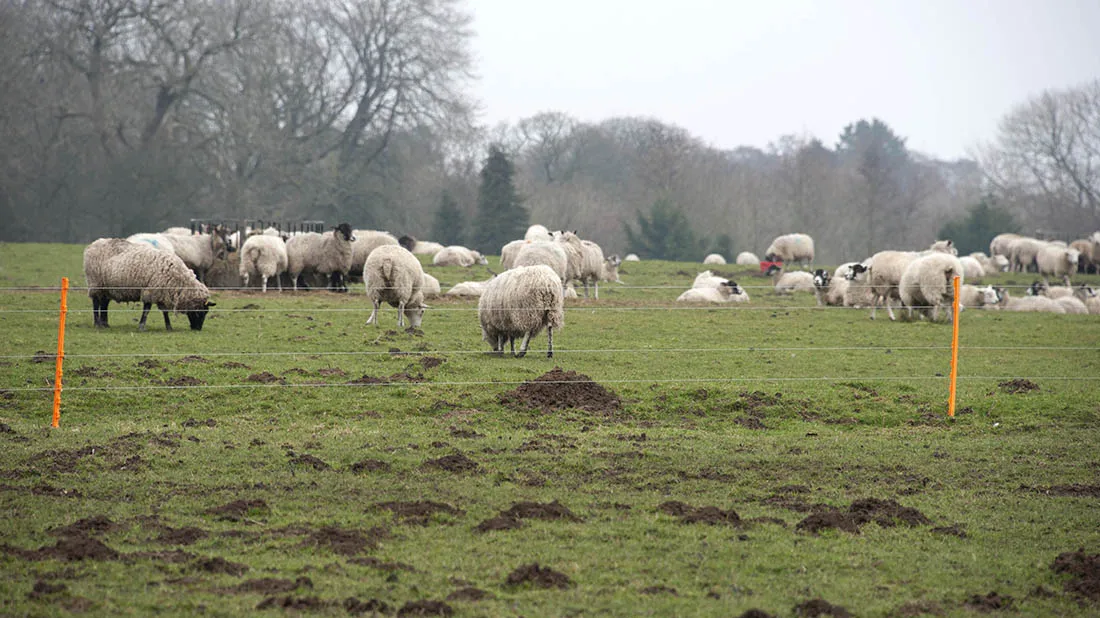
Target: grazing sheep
[365, 242]
[1023, 253]
[611, 266]
[160, 242]
[520, 303]
[430, 287]
[468, 288]
[199, 251]
[944, 246]
[791, 248]
[537, 232]
[926, 284]
[714, 259]
[456, 255]
[328, 254]
[264, 255]
[632, 257]
[747, 258]
[126, 272]
[727, 291]
[1057, 261]
[393, 275]
[883, 275]
[544, 252]
[585, 261]
[1000, 245]
[972, 267]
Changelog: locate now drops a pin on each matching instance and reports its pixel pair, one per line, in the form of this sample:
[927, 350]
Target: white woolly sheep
[264, 255]
[708, 279]
[327, 254]
[1087, 262]
[944, 246]
[430, 286]
[849, 288]
[1023, 252]
[972, 267]
[544, 252]
[926, 284]
[632, 257]
[585, 261]
[747, 258]
[1057, 261]
[127, 272]
[610, 271]
[393, 275]
[1000, 244]
[365, 242]
[468, 288]
[1029, 304]
[537, 232]
[1072, 304]
[160, 242]
[509, 252]
[419, 247]
[714, 259]
[797, 281]
[520, 303]
[883, 275]
[199, 251]
[727, 291]
[456, 255]
[974, 297]
[791, 248]
[177, 231]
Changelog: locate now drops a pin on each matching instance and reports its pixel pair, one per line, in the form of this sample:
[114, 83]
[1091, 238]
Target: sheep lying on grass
[393, 275]
[725, 292]
[127, 272]
[519, 303]
[430, 287]
[714, 259]
[456, 255]
[468, 288]
[746, 258]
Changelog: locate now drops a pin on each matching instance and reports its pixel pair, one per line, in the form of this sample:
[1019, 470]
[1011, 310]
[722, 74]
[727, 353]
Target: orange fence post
[60, 352]
[954, 348]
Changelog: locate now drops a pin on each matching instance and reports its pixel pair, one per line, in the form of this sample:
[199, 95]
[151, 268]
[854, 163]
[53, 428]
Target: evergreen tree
[501, 217]
[973, 231]
[448, 226]
[664, 235]
[723, 246]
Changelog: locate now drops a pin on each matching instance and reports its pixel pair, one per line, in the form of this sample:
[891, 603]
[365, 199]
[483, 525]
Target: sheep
[537, 232]
[1087, 262]
[509, 252]
[849, 289]
[1072, 304]
[944, 246]
[266, 256]
[707, 279]
[394, 275]
[972, 296]
[177, 231]
[1030, 304]
[611, 269]
[927, 285]
[520, 303]
[469, 288]
[1042, 288]
[328, 254]
[883, 275]
[126, 272]
[430, 286]
[199, 251]
[714, 258]
[456, 255]
[585, 261]
[1000, 244]
[990, 265]
[1023, 253]
[972, 267]
[549, 253]
[632, 257]
[791, 248]
[420, 247]
[365, 242]
[727, 291]
[160, 242]
[789, 282]
[1057, 261]
[747, 258]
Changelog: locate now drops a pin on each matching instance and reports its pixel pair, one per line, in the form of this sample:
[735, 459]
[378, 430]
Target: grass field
[774, 456]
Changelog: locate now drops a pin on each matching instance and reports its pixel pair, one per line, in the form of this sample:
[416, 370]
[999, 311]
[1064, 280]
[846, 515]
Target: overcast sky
[744, 72]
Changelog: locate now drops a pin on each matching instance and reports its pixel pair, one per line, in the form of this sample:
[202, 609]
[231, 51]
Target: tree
[501, 216]
[664, 235]
[880, 159]
[449, 223]
[981, 223]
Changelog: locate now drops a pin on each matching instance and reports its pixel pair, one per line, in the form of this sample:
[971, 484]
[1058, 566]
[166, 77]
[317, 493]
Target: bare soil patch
[220, 565]
[174, 556]
[1075, 490]
[538, 576]
[561, 390]
[329, 372]
[469, 593]
[88, 526]
[755, 613]
[345, 542]
[180, 381]
[181, 536]
[820, 607]
[426, 608]
[699, 515]
[149, 363]
[1017, 386]
[498, 523]
[1084, 570]
[886, 513]
[234, 365]
[456, 462]
[192, 358]
[660, 590]
[265, 377]
[68, 549]
[272, 585]
[369, 465]
[355, 607]
[43, 589]
[465, 433]
[418, 512]
[430, 362]
[989, 603]
[42, 356]
[310, 461]
[238, 510]
[197, 423]
[300, 604]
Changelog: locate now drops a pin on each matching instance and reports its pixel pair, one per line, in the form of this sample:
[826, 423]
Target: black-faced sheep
[327, 254]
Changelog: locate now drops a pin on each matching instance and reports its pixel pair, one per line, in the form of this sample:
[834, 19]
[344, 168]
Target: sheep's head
[1001, 262]
[480, 259]
[1073, 257]
[406, 241]
[614, 260]
[732, 288]
[855, 271]
[197, 316]
[822, 279]
[944, 246]
[414, 311]
[773, 269]
[344, 230]
[1039, 288]
[989, 295]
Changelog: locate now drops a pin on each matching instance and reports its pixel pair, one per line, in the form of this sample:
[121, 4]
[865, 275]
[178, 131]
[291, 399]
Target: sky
[744, 72]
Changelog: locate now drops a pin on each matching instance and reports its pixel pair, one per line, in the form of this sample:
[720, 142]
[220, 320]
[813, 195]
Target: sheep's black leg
[550, 342]
[144, 314]
[103, 302]
[167, 322]
[95, 312]
[512, 343]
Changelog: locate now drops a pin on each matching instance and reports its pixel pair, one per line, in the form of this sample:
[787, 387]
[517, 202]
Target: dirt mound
[43, 589]
[886, 513]
[234, 365]
[180, 381]
[754, 613]
[181, 536]
[1076, 490]
[174, 556]
[453, 463]
[1085, 569]
[343, 541]
[197, 423]
[418, 512]
[240, 509]
[538, 576]
[537, 510]
[660, 590]
[355, 607]
[469, 593]
[265, 377]
[148, 363]
[375, 563]
[498, 523]
[820, 607]
[1017, 386]
[426, 608]
[560, 390]
[952, 530]
[989, 603]
[272, 585]
[68, 549]
[329, 372]
[369, 465]
[221, 565]
[918, 608]
[192, 359]
[42, 356]
[309, 460]
[294, 603]
[699, 515]
[96, 524]
[430, 362]
[466, 433]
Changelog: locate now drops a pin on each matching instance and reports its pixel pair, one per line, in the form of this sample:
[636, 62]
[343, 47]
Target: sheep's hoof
[549, 355]
[521, 354]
